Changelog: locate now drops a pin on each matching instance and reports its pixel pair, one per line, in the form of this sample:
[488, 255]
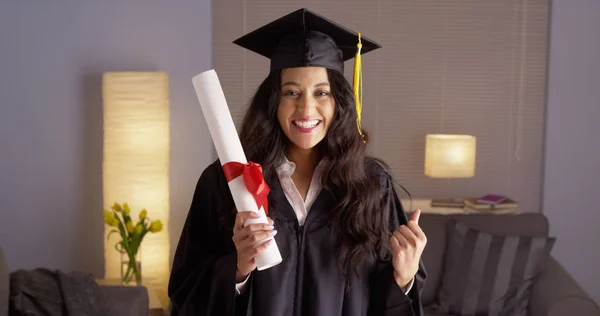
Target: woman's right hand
[247, 242]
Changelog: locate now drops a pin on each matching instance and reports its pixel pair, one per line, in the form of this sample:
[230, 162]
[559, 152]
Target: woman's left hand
[408, 243]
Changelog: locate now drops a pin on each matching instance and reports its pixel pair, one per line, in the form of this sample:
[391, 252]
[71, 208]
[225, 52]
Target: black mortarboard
[304, 38]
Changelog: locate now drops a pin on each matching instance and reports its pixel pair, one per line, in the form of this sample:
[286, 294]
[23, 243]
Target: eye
[323, 93]
[291, 93]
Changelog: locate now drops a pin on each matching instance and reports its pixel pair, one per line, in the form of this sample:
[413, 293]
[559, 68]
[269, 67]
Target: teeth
[306, 124]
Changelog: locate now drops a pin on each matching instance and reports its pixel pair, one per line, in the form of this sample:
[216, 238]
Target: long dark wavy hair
[358, 218]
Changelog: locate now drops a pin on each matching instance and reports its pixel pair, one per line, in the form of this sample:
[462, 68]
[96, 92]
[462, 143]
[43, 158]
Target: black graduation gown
[307, 282]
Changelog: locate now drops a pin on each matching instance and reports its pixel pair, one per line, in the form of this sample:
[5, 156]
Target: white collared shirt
[300, 206]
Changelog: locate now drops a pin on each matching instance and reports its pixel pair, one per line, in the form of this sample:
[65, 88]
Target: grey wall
[51, 60]
[572, 166]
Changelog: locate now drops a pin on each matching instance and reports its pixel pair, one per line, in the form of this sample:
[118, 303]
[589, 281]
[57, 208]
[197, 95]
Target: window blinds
[457, 67]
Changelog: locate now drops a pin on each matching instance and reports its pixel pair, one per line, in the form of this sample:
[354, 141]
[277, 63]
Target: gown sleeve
[202, 280]
[388, 298]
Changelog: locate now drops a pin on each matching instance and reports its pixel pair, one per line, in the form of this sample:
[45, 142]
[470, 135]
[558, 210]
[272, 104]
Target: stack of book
[491, 203]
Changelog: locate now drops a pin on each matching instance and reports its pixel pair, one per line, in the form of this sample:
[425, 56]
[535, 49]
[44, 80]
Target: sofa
[122, 300]
[554, 292]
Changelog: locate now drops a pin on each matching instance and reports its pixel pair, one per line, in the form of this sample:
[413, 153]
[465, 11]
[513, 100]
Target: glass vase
[131, 269]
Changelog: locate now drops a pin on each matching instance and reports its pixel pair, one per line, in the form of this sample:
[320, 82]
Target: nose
[306, 104]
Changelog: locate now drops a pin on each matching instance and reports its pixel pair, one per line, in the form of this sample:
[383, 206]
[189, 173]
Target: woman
[346, 243]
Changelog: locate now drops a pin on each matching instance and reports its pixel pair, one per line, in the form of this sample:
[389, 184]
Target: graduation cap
[303, 39]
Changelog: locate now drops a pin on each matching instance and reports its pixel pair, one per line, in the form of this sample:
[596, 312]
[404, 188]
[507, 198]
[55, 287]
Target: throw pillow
[489, 274]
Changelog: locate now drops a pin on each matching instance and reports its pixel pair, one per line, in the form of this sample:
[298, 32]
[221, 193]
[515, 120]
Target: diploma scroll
[229, 149]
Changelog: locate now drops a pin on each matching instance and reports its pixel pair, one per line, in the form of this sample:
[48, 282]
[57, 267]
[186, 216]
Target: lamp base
[458, 203]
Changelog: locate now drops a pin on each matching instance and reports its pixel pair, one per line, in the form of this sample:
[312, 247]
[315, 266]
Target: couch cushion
[488, 274]
[4, 289]
[434, 226]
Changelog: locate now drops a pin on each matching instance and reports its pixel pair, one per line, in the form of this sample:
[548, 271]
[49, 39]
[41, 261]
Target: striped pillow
[487, 274]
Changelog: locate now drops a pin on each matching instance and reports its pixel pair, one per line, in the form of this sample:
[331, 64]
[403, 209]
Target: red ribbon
[253, 179]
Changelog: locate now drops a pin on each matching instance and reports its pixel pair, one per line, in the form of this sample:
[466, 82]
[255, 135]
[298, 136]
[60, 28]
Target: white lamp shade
[449, 156]
[136, 165]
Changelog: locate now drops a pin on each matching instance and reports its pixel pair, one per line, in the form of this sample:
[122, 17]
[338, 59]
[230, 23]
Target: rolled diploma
[229, 148]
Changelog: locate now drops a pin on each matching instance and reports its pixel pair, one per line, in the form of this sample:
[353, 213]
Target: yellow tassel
[358, 85]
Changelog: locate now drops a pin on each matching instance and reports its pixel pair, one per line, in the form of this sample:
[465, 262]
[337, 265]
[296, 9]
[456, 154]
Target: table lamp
[449, 156]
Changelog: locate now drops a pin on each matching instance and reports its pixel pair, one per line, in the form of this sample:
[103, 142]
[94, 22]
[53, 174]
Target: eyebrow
[292, 83]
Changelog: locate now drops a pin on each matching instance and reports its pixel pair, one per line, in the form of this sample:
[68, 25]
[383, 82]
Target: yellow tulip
[115, 222]
[109, 218]
[126, 208]
[117, 207]
[143, 214]
[138, 229]
[130, 226]
[156, 226]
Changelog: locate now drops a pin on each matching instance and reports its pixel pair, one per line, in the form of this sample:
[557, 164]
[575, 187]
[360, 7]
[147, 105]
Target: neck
[305, 159]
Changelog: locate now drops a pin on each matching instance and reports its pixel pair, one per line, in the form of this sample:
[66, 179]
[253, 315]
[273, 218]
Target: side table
[154, 306]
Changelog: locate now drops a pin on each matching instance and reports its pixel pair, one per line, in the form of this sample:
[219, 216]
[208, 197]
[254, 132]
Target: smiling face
[306, 107]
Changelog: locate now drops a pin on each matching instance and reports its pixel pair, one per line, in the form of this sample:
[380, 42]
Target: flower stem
[132, 270]
[127, 276]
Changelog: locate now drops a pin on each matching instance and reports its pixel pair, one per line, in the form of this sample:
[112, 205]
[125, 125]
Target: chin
[306, 144]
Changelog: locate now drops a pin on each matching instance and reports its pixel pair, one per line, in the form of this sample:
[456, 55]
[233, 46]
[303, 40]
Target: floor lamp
[136, 165]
